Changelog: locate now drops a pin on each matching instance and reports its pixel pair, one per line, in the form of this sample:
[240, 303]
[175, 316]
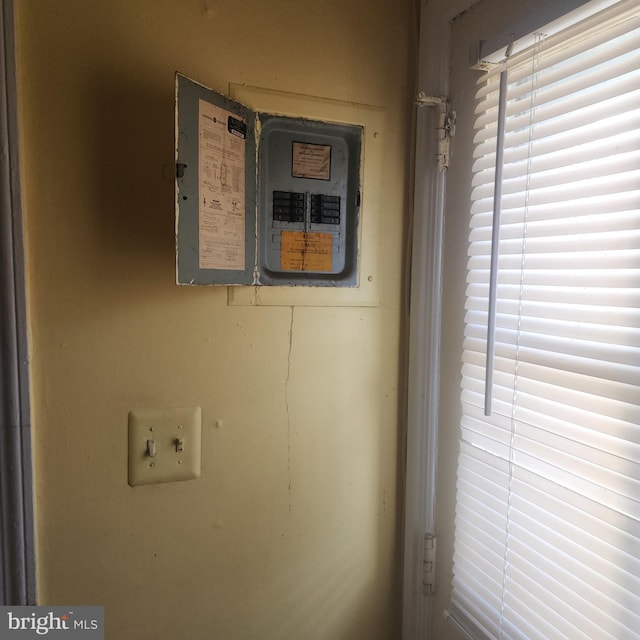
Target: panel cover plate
[301, 228]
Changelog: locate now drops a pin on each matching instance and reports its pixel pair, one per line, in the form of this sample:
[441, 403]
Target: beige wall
[293, 530]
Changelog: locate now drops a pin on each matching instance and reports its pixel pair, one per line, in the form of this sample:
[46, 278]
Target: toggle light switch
[164, 445]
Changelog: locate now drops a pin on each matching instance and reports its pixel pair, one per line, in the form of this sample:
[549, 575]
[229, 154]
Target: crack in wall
[286, 402]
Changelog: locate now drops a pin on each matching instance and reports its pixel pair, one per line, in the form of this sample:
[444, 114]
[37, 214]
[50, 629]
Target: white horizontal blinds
[548, 500]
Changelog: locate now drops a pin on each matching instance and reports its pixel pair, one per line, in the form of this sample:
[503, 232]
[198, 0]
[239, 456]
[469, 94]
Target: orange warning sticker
[302, 251]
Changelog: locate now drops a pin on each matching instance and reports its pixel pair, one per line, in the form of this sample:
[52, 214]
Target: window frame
[428, 423]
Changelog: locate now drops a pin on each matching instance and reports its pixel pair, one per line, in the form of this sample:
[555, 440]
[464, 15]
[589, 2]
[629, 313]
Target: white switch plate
[164, 445]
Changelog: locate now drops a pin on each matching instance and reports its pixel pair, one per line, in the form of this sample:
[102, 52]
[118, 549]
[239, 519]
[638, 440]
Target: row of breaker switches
[289, 206]
[325, 209]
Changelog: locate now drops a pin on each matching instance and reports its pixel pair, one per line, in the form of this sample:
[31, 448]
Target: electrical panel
[263, 199]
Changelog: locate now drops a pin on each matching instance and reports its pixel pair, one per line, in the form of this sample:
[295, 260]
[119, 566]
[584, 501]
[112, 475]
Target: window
[547, 534]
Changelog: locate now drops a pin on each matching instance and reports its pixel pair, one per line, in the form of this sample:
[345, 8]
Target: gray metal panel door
[215, 187]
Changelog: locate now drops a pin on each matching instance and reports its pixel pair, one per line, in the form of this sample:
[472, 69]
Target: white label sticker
[221, 189]
[311, 161]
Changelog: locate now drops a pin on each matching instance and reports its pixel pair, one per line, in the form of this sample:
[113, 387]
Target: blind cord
[513, 423]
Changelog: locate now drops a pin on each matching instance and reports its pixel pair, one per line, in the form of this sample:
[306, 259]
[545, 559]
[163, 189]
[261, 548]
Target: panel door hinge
[429, 564]
[446, 127]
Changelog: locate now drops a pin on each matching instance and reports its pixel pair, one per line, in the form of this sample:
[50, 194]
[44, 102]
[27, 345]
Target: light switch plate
[164, 445]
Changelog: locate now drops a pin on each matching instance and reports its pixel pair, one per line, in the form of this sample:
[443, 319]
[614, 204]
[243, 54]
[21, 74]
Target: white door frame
[424, 321]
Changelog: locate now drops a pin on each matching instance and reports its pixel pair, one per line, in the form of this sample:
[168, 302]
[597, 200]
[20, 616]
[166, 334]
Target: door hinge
[429, 564]
[446, 125]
